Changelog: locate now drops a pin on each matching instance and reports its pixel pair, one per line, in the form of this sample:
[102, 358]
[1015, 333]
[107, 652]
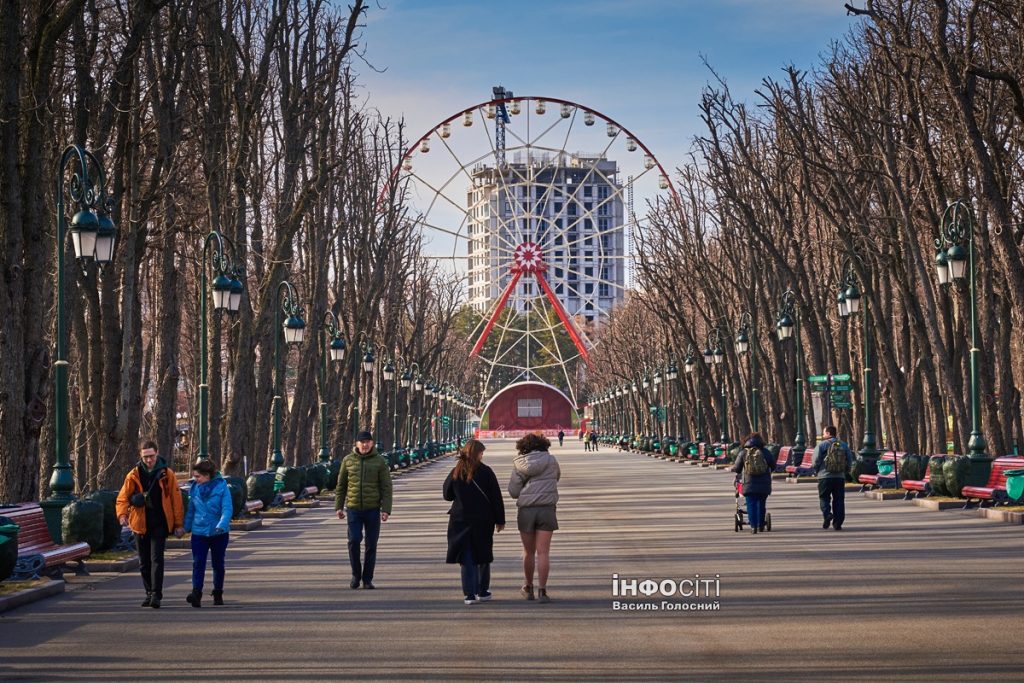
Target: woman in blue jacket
[209, 520]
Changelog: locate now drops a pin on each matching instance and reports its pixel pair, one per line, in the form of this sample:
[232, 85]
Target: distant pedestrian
[364, 494]
[534, 486]
[593, 440]
[561, 437]
[149, 503]
[754, 466]
[209, 520]
[586, 441]
[477, 512]
[832, 460]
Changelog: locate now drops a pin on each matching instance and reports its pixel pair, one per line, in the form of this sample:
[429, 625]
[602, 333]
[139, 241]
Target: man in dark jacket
[831, 484]
[363, 494]
[756, 486]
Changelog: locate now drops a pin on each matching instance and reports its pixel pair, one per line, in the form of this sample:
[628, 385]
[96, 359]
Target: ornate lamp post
[407, 384]
[671, 374]
[658, 431]
[227, 296]
[333, 345]
[713, 353]
[849, 301]
[788, 324]
[742, 347]
[92, 235]
[689, 364]
[294, 331]
[956, 264]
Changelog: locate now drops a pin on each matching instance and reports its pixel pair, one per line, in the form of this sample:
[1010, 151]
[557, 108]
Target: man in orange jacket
[149, 503]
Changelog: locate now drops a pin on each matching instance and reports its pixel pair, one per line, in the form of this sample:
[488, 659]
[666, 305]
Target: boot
[194, 598]
[148, 600]
[218, 597]
[155, 601]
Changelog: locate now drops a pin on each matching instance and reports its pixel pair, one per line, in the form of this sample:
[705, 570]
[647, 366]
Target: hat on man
[364, 436]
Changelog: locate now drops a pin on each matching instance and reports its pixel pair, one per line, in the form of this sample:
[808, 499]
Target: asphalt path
[901, 593]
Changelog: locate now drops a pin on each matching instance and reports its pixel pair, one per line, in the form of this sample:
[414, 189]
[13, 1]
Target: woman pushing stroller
[754, 466]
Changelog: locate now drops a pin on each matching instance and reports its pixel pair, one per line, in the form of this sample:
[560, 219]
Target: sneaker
[470, 600]
[527, 592]
[484, 597]
[542, 595]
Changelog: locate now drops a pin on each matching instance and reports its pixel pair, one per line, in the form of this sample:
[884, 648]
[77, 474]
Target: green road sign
[840, 388]
[840, 378]
[841, 404]
[818, 379]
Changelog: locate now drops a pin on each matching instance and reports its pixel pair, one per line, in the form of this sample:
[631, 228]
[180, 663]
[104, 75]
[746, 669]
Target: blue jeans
[358, 522]
[476, 578]
[217, 547]
[832, 495]
[755, 511]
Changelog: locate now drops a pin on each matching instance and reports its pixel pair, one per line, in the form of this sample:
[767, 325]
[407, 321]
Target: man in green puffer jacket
[363, 494]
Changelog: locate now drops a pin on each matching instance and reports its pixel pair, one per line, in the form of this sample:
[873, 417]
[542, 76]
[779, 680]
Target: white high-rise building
[570, 206]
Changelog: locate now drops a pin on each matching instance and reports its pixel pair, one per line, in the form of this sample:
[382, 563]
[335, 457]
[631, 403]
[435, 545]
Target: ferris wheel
[532, 201]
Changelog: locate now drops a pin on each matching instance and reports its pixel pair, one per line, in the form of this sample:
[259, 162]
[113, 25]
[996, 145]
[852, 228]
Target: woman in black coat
[756, 487]
[477, 511]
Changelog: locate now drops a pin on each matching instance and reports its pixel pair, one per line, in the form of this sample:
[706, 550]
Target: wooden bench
[995, 489]
[805, 466]
[34, 539]
[783, 459]
[868, 481]
[920, 488]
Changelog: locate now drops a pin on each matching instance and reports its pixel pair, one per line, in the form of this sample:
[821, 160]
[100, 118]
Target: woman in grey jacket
[534, 486]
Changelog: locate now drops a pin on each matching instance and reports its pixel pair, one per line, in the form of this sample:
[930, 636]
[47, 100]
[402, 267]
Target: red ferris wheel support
[529, 260]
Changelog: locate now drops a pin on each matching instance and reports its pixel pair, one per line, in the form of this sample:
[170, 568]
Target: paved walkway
[901, 593]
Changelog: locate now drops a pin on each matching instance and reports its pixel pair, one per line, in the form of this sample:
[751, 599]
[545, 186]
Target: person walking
[561, 437]
[754, 466]
[832, 460]
[593, 440]
[363, 494]
[477, 511]
[149, 503]
[534, 486]
[586, 442]
[209, 520]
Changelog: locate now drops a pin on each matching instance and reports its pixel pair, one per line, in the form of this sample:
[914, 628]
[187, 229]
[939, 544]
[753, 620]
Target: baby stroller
[741, 509]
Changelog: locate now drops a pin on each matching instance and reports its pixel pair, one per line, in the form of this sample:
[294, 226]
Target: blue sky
[636, 61]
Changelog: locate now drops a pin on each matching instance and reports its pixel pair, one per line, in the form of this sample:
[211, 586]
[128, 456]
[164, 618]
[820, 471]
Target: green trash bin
[8, 546]
[1015, 484]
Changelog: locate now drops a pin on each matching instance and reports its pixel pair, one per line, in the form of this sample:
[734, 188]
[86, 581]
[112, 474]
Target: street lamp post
[407, 383]
[788, 324]
[365, 360]
[93, 237]
[742, 347]
[850, 304]
[227, 296]
[333, 347]
[956, 264]
[689, 365]
[716, 355]
[294, 330]
[670, 379]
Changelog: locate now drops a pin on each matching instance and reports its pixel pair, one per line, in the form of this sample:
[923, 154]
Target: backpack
[754, 464]
[835, 457]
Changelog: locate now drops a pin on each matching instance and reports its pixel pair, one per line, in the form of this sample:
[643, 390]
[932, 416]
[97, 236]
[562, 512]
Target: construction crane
[501, 96]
